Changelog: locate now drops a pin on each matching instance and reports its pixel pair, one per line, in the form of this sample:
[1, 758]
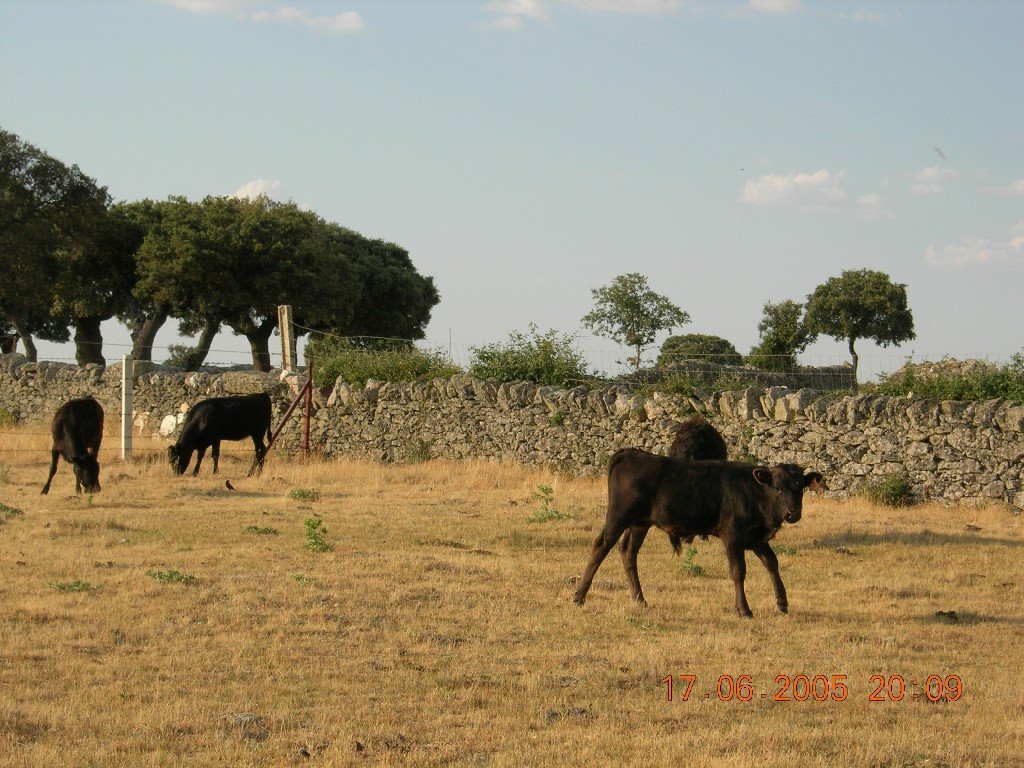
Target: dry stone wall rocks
[950, 451]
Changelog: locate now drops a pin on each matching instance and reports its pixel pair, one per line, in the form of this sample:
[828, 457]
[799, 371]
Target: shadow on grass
[918, 539]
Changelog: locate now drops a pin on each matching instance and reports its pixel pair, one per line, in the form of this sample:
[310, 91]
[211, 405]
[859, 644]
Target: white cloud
[932, 180]
[254, 189]
[934, 174]
[635, 7]
[820, 190]
[775, 6]
[871, 206]
[510, 14]
[975, 251]
[210, 7]
[339, 23]
[1016, 189]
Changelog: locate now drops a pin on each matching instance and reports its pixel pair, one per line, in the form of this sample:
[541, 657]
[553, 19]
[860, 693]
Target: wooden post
[309, 405]
[127, 385]
[284, 325]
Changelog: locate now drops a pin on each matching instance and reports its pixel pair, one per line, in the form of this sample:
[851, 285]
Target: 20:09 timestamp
[818, 688]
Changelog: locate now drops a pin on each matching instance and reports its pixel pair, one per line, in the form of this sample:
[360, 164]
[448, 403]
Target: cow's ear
[763, 475]
[813, 481]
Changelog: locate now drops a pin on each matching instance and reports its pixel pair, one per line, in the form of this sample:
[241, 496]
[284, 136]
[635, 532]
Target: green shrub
[974, 382]
[170, 577]
[381, 359]
[315, 541]
[258, 531]
[304, 494]
[689, 567]
[7, 419]
[698, 346]
[892, 490]
[547, 510]
[549, 358]
[74, 586]
[7, 511]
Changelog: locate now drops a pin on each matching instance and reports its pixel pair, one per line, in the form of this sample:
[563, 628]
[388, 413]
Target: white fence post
[127, 385]
[284, 325]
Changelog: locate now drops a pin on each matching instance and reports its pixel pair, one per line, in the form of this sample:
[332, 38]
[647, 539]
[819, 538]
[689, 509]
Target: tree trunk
[197, 355]
[856, 362]
[8, 343]
[143, 329]
[259, 343]
[88, 341]
[31, 353]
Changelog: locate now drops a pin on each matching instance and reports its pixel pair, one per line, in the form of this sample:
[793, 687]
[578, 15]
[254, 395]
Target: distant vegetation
[543, 358]
[384, 360]
[953, 380]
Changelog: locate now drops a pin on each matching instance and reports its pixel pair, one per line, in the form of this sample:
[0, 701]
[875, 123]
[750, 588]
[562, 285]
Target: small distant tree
[861, 304]
[784, 334]
[698, 346]
[630, 313]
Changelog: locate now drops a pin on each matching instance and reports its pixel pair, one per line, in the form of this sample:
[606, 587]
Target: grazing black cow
[235, 417]
[77, 430]
[742, 504]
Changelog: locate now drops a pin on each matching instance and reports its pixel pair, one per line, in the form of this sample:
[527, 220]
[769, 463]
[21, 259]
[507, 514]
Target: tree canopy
[52, 216]
[698, 346]
[784, 334]
[629, 312]
[861, 304]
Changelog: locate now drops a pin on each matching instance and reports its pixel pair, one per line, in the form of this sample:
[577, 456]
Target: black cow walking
[742, 504]
[235, 417]
[77, 431]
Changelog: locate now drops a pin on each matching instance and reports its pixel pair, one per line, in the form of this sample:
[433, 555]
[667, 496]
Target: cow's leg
[200, 452]
[598, 552]
[215, 452]
[738, 570]
[767, 556]
[261, 452]
[630, 545]
[54, 455]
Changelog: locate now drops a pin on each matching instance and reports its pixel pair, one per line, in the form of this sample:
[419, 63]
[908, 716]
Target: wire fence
[607, 364]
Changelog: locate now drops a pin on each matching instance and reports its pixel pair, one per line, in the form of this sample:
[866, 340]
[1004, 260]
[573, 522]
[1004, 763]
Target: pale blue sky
[527, 151]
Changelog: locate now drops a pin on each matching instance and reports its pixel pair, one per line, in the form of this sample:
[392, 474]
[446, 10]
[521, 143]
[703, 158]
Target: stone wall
[950, 451]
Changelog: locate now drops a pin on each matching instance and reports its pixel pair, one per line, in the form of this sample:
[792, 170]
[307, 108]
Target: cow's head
[178, 462]
[87, 472]
[789, 482]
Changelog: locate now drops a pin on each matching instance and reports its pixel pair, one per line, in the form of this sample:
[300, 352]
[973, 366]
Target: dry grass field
[174, 622]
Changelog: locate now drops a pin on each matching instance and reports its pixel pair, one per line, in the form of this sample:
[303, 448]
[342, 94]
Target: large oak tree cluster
[70, 258]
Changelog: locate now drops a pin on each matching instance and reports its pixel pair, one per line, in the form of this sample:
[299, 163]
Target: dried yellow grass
[439, 629]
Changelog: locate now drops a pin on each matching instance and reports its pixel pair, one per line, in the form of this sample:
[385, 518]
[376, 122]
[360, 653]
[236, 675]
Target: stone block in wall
[1010, 418]
[769, 398]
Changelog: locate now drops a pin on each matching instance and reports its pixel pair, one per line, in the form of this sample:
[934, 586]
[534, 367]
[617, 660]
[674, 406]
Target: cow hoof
[579, 600]
[783, 609]
[747, 614]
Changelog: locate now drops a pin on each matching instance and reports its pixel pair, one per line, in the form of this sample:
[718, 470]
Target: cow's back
[77, 427]
[229, 418]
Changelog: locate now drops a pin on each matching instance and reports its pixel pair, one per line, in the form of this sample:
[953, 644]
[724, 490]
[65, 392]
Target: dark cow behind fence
[77, 431]
[696, 440]
[235, 417]
[742, 504]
